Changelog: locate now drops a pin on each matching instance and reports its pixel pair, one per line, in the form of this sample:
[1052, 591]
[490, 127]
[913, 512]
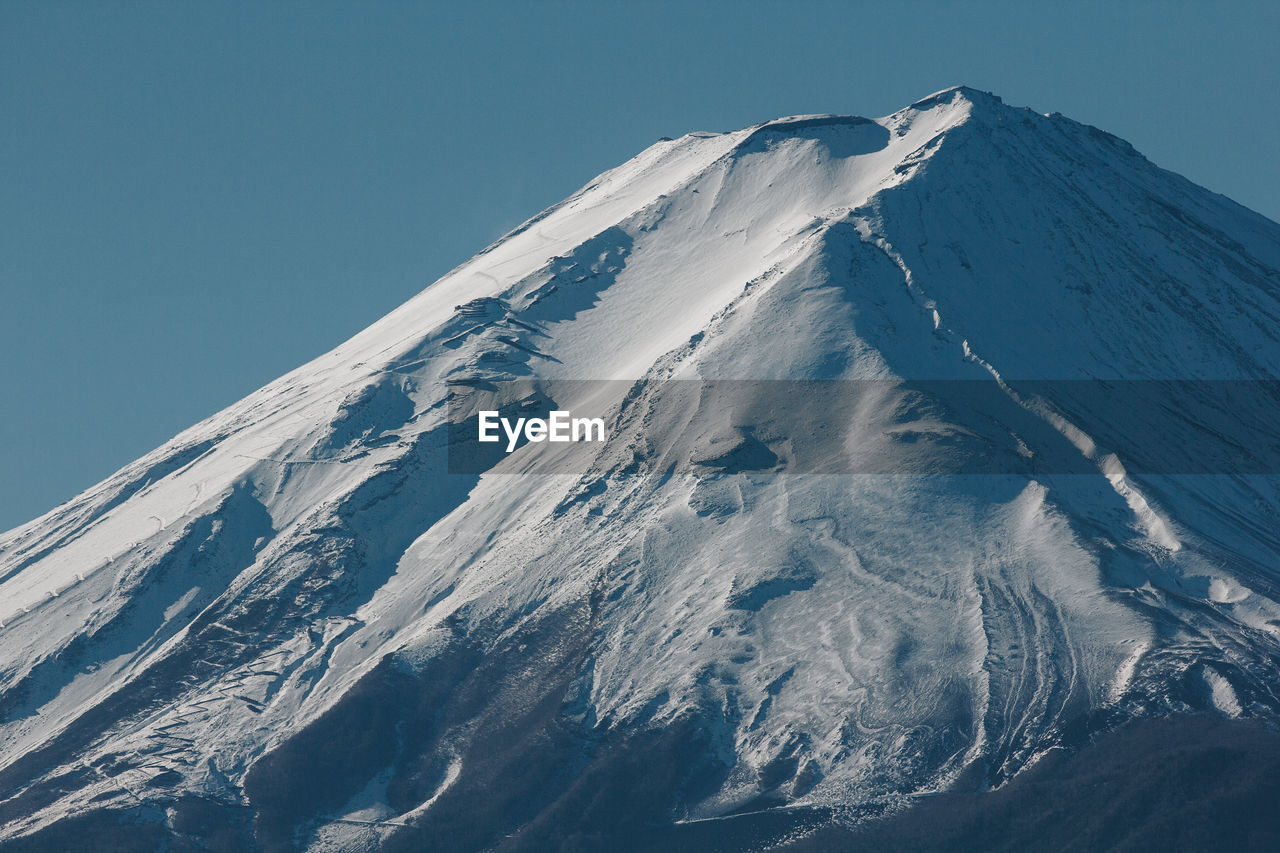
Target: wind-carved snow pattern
[295, 623]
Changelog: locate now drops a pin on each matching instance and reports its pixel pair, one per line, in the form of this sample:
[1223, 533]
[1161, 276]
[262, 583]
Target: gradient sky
[197, 197]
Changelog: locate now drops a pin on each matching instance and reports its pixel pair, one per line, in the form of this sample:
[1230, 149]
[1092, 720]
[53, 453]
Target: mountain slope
[297, 622]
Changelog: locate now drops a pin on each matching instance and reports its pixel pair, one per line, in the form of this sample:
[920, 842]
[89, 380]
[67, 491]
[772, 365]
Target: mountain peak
[951, 93]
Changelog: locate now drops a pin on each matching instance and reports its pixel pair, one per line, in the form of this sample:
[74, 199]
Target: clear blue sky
[198, 197]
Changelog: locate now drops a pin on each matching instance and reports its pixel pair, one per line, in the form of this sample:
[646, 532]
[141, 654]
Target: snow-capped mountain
[294, 625]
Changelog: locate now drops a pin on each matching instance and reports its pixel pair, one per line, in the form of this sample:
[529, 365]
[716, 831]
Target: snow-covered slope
[291, 623]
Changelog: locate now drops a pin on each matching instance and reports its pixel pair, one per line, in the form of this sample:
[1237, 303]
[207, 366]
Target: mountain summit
[297, 625]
